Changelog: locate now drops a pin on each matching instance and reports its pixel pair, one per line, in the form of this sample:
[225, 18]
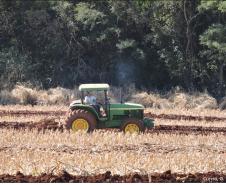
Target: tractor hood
[128, 106]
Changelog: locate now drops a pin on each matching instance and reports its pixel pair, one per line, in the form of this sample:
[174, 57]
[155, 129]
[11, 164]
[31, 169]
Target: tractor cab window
[97, 100]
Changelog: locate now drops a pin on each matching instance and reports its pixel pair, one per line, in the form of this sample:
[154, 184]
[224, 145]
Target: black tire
[134, 121]
[79, 113]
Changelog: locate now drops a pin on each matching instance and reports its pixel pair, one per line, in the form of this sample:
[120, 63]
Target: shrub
[25, 95]
[7, 98]
[61, 96]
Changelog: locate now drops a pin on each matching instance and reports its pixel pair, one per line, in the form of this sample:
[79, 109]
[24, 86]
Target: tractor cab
[95, 95]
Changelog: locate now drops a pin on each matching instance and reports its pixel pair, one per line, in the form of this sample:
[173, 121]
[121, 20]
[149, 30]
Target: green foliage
[88, 15]
[219, 5]
[151, 43]
[215, 38]
[124, 44]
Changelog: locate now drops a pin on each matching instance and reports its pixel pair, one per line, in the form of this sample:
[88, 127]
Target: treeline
[151, 43]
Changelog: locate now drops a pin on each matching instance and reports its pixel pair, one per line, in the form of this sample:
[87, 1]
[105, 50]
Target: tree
[214, 38]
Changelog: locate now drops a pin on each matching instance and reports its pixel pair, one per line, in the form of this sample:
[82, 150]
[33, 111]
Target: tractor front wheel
[80, 120]
[132, 126]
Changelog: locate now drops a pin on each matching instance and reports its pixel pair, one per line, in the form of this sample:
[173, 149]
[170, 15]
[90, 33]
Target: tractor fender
[148, 123]
[87, 108]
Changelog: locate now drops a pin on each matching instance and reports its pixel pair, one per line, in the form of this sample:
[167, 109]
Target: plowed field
[34, 147]
[174, 129]
[108, 177]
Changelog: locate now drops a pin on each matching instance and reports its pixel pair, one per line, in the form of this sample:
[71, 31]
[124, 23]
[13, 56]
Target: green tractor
[87, 116]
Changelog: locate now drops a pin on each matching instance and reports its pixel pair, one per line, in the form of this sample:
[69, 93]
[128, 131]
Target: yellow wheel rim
[80, 124]
[132, 128]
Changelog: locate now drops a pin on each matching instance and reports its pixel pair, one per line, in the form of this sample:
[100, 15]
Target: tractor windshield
[94, 97]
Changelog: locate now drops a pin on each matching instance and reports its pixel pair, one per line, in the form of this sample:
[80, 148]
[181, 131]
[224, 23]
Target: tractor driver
[92, 100]
[89, 99]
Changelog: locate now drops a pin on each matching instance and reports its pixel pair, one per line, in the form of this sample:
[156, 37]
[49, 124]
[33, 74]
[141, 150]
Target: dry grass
[61, 96]
[26, 95]
[33, 153]
[179, 100]
[7, 98]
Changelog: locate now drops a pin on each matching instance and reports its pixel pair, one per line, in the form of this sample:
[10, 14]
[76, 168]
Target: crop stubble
[199, 149]
[80, 154]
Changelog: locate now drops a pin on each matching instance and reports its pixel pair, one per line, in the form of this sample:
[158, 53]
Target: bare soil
[178, 129]
[45, 124]
[108, 177]
[51, 124]
[184, 117]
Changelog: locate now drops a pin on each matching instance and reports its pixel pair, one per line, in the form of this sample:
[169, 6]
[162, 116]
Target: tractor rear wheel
[132, 126]
[80, 120]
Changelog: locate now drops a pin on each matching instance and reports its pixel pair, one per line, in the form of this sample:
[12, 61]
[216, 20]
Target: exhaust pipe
[121, 94]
